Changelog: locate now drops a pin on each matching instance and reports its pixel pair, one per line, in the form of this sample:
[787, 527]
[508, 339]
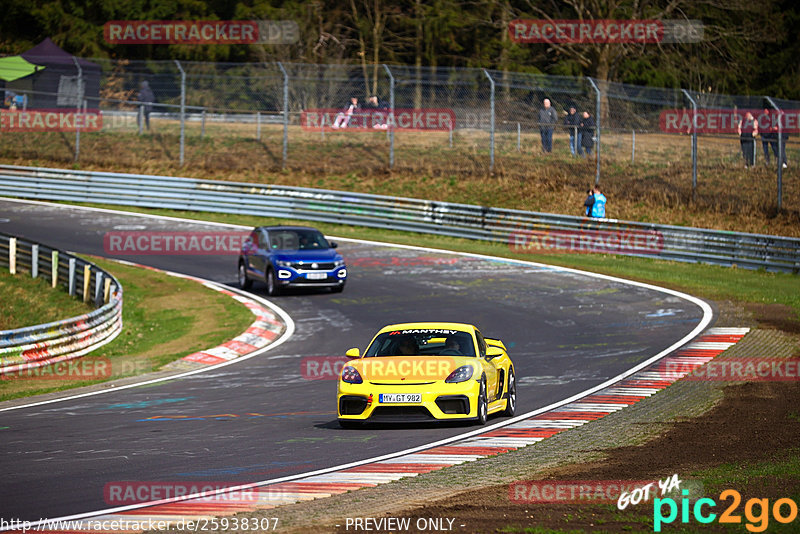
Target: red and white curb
[258, 496]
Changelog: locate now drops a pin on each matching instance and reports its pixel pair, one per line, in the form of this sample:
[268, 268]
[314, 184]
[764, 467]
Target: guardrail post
[285, 114]
[87, 279]
[71, 282]
[390, 119]
[54, 268]
[491, 121]
[106, 289]
[183, 110]
[781, 151]
[98, 287]
[78, 101]
[12, 255]
[597, 129]
[35, 261]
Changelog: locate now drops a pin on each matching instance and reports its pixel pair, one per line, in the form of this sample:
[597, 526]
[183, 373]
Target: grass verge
[30, 301]
[164, 318]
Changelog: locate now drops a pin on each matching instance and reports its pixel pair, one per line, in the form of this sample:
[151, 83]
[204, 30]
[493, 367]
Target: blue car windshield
[422, 342]
[297, 240]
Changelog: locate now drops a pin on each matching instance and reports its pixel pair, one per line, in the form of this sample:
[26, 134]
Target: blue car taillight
[462, 374]
[350, 375]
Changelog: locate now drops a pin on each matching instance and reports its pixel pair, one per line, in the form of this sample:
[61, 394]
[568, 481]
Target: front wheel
[244, 282]
[272, 283]
[483, 405]
[511, 395]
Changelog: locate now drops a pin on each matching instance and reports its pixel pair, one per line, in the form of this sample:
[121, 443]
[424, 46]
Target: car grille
[453, 404]
[352, 405]
[309, 265]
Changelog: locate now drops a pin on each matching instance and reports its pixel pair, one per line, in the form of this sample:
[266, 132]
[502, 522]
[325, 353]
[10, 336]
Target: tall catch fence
[455, 121]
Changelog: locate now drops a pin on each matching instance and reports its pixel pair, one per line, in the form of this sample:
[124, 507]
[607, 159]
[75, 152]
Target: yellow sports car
[417, 372]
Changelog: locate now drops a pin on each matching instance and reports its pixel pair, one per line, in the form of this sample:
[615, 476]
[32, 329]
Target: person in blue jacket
[599, 206]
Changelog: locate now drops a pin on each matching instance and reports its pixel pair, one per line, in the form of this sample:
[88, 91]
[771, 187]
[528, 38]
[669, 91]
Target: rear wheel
[244, 282]
[511, 395]
[483, 405]
[272, 283]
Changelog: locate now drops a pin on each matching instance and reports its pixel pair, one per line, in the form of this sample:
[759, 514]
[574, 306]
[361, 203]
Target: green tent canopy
[15, 67]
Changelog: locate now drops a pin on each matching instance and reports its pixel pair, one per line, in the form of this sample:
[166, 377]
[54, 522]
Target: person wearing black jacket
[547, 119]
[571, 122]
[587, 133]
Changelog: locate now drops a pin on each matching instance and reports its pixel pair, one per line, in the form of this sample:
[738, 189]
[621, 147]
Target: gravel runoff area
[688, 426]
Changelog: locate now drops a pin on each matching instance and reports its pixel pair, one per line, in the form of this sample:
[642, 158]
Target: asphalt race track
[259, 419]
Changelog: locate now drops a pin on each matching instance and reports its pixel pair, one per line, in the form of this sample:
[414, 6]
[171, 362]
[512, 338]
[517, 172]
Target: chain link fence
[434, 121]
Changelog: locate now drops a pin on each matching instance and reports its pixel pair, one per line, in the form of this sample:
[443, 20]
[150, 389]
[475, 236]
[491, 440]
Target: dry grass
[655, 187]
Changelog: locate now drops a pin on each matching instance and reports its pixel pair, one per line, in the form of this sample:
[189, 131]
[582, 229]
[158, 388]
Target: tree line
[747, 48]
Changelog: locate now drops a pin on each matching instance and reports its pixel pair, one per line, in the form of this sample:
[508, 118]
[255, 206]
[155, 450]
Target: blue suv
[290, 256]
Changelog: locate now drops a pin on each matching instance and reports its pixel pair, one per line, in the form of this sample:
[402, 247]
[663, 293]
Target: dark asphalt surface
[259, 419]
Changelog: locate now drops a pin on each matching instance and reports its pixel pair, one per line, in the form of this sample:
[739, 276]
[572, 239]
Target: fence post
[633, 146]
[203, 123]
[491, 119]
[258, 126]
[71, 280]
[694, 143]
[12, 255]
[78, 102]
[141, 119]
[183, 109]
[54, 268]
[390, 121]
[781, 151]
[519, 138]
[597, 129]
[285, 114]
[35, 261]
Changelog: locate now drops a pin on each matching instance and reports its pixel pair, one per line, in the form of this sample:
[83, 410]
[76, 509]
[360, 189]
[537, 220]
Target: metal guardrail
[522, 230]
[39, 345]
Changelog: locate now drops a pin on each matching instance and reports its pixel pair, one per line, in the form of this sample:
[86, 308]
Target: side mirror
[334, 244]
[353, 353]
[493, 352]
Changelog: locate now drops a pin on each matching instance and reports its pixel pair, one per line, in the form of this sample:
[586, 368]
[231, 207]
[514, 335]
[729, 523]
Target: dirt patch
[777, 316]
[755, 422]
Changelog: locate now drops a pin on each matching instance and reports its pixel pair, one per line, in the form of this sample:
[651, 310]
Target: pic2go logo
[757, 522]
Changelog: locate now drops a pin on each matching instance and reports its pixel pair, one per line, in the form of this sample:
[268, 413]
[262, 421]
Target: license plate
[316, 276]
[400, 398]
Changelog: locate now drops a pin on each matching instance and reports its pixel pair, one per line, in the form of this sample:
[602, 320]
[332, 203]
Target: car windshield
[297, 239]
[422, 342]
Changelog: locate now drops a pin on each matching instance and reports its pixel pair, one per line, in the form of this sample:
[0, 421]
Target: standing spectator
[599, 206]
[571, 122]
[589, 202]
[547, 118]
[586, 131]
[748, 131]
[147, 98]
[768, 127]
[343, 118]
[378, 113]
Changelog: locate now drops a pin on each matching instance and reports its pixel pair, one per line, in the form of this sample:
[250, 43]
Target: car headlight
[462, 374]
[338, 263]
[350, 375]
[281, 263]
